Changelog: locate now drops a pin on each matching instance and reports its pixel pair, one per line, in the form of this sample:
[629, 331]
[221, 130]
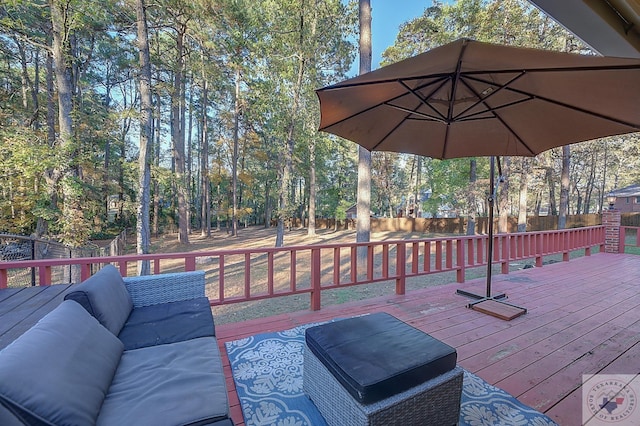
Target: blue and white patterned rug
[267, 370]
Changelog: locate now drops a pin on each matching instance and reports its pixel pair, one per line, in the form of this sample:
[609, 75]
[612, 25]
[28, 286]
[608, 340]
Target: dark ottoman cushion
[167, 323]
[377, 356]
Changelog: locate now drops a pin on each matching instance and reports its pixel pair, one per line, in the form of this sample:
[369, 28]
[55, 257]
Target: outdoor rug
[267, 370]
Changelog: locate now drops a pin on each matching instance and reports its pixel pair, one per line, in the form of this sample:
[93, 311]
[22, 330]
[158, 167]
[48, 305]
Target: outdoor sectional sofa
[138, 350]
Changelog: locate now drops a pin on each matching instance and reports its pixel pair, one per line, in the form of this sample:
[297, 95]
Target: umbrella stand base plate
[497, 308]
[478, 297]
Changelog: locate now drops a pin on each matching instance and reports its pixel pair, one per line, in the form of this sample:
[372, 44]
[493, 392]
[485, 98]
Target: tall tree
[73, 226]
[177, 126]
[143, 233]
[363, 223]
[234, 159]
[564, 187]
[525, 168]
[471, 197]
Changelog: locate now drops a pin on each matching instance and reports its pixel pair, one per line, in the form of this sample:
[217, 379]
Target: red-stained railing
[629, 237]
[251, 274]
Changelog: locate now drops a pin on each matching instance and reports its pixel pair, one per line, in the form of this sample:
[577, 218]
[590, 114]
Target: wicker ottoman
[376, 370]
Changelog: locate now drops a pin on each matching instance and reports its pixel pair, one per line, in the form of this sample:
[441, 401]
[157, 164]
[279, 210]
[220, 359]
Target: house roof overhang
[610, 27]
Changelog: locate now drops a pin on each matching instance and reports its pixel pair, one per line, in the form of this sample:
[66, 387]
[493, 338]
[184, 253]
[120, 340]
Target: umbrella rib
[420, 114]
[454, 86]
[338, 86]
[483, 100]
[470, 74]
[556, 69]
[475, 115]
[500, 119]
[577, 108]
[442, 82]
[562, 104]
[387, 135]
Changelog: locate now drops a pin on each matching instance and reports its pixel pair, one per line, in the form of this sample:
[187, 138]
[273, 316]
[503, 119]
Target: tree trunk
[156, 162]
[522, 204]
[311, 230]
[363, 222]
[51, 176]
[234, 160]
[553, 209]
[564, 187]
[604, 178]
[503, 197]
[268, 207]
[205, 208]
[74, 230]
[146, 137]
[285, 172]
[471, 198]
[178, 136]
[189, 149]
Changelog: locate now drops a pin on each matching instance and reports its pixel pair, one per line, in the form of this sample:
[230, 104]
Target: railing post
[85, 271]
[539, 249]
[460, 260]
[315, 280]
[401, 265]
[3, 278]
[190, 263]
[44, 274]
[505, 253]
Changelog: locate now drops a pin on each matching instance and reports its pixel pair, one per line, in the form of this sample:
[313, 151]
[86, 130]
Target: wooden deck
[583, 317]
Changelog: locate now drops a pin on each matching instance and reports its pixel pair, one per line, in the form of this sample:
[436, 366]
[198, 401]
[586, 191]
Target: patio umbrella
[469, 99]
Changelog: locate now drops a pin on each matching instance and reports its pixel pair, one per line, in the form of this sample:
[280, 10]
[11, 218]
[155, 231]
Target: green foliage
[281, 50]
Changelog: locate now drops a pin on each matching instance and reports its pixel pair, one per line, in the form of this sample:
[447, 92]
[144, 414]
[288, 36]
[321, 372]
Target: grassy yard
[259, 237]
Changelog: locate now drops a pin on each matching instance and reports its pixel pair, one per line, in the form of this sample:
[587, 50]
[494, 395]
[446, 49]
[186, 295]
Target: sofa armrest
[164, 288]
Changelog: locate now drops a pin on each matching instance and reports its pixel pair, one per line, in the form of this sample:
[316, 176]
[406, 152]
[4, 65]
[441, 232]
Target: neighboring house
[627, 199]
[352, 212]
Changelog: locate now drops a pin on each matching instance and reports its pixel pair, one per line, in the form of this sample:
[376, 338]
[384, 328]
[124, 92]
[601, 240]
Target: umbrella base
[478, 297]
[497, 308]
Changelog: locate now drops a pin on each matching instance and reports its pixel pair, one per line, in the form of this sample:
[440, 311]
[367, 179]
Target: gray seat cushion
[58, 372]
[174, 384]
[167, 323]
[105, 296]
[376, 356]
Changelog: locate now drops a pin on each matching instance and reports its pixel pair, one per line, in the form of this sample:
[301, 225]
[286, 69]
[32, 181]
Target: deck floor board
[583, 318]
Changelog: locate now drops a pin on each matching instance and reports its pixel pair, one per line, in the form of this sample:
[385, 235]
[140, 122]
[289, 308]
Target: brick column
[611, 222]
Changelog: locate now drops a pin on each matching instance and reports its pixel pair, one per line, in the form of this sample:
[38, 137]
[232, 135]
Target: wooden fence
[456, 225]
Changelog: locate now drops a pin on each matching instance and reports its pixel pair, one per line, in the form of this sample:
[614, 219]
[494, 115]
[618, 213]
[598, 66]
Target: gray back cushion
[59, 371]
[105, 296]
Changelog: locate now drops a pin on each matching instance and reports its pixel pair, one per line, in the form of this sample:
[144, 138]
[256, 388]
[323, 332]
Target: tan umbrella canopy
[469, 98]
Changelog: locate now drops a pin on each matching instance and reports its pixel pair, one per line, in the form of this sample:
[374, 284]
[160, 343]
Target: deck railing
[244, 275]
[629, 237]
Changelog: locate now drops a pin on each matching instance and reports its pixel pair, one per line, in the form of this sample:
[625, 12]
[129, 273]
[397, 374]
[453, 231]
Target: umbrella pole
[492, 201]
[515, 310]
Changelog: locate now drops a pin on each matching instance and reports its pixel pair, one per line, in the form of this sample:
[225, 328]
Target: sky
[386, 18]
